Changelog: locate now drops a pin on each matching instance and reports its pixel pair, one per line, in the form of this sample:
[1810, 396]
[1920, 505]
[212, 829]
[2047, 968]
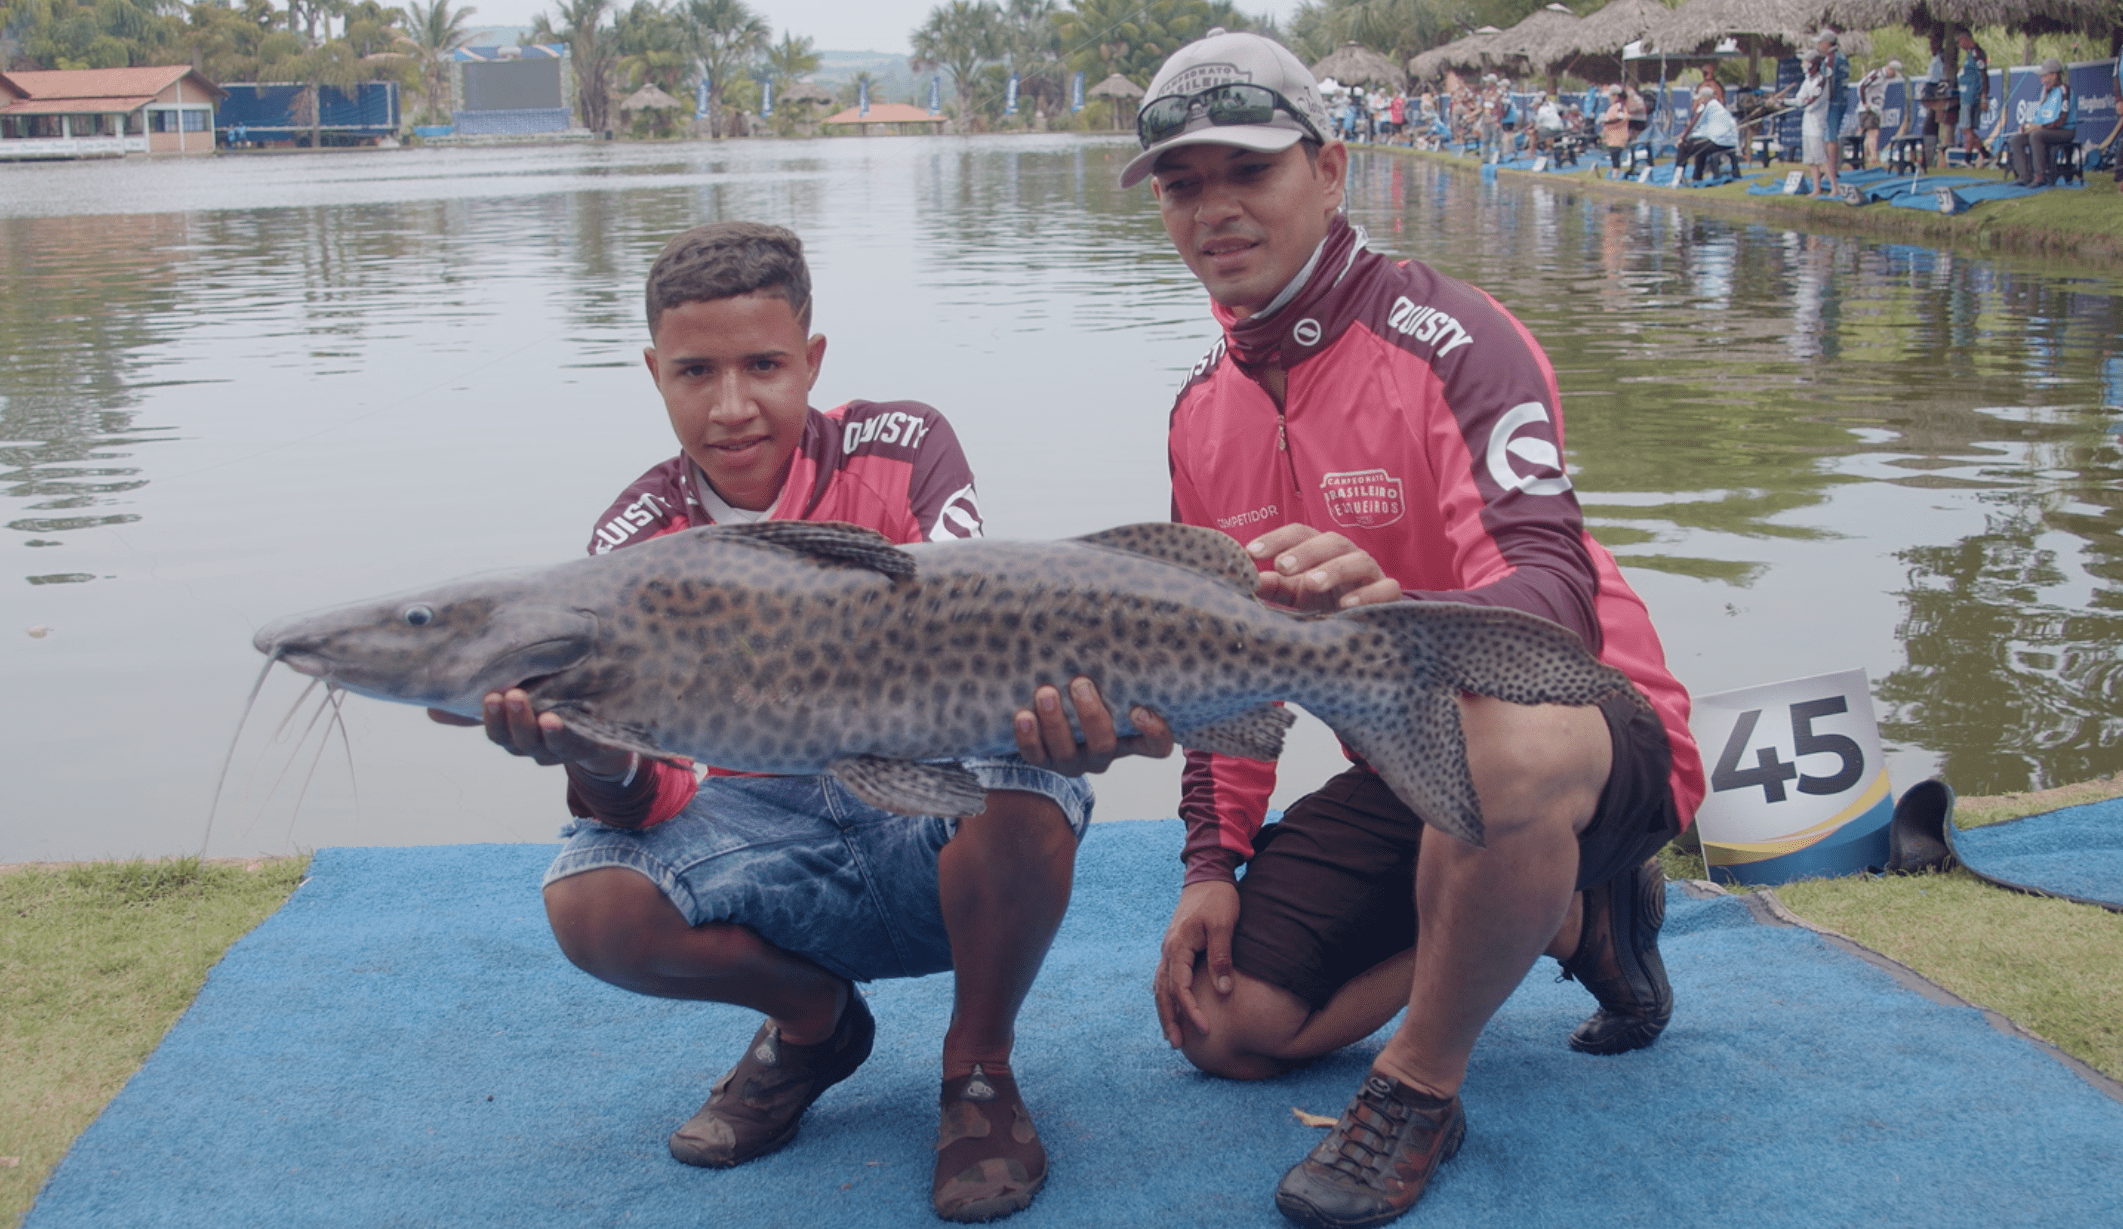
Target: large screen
[513, 85]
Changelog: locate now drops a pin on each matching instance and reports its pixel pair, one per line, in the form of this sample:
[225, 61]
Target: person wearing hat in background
[1811, 98]
[1836, 67]
[1373, 431]
[1974, 86]
[1711, 132]
[1872, 107]
[2051, 125]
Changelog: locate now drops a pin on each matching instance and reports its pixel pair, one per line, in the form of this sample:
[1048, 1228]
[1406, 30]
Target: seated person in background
[2051, 125]
[1872, 106]
[1711, 132]
[780, 893]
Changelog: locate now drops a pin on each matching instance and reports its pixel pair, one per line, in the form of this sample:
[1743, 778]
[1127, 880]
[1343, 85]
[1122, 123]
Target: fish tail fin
[1405, 719]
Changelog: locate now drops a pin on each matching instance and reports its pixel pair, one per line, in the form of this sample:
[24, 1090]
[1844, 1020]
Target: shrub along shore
[2066, 223]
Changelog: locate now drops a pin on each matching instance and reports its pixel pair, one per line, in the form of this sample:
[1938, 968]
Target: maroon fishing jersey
[1422, 421]
[892, 466]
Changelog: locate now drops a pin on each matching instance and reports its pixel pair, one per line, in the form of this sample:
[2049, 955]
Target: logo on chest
[1363, 499]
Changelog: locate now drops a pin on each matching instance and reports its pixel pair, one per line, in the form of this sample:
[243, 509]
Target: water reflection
[235, 389]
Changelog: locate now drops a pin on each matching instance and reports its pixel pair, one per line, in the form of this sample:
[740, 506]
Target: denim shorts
[808, 866]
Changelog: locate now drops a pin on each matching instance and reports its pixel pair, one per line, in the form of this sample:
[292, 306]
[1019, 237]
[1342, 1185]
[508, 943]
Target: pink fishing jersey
[1420, 420]
[892, 466]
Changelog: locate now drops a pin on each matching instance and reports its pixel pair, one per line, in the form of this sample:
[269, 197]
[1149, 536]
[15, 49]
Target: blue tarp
[268, 111]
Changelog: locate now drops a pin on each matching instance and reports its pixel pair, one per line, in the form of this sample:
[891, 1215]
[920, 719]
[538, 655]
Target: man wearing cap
[1836, 67]
[1378, 432]
[2052, 124]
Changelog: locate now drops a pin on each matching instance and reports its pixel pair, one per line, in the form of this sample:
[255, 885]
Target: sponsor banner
[1076, 93]
[862, 97]
[1798, 785]
[1010, 96]
[766, 100]
[700, 95]
[936, 95]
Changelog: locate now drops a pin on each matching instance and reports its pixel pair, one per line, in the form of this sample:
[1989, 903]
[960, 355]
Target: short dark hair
[723, 260]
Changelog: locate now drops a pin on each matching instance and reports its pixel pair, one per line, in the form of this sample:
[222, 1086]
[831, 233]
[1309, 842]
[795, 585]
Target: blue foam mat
[2077, 852]
[402, 1044]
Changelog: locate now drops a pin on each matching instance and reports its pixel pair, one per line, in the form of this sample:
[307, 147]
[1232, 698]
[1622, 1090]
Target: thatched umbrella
[1355, 64]
[804, 91]
[1473, 51]
[1546, 40]
[1767, 26]
[650, 98]
[1120, 90]
[1599, 38]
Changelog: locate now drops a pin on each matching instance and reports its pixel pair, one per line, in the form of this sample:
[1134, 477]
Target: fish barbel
[800, 647]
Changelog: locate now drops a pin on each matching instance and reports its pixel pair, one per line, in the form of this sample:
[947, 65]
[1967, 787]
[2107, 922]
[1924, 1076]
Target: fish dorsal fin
[1188, 546]
[835, 542]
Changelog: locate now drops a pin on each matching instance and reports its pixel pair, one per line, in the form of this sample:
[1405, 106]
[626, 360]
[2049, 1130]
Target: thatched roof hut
[1473, 51]
[1115, 86]
[650, 98]
[1934, 17]
[1785, 25]
[1545, 41]
[803, 91]
[1355, 64]
[1619, 24]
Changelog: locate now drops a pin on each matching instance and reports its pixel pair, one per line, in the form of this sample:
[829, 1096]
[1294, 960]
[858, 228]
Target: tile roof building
[107, 112]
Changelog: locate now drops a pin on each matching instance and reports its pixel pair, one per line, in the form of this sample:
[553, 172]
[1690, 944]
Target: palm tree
[723, 35]
[581, 26]
[959, 35]
[437, 30]
[791, 59]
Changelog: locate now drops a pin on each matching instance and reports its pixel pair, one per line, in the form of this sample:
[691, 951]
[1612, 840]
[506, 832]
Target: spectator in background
[1810, 96]
[1396, 114]
[2048, 127]
[1836, 67]
[1872, 106]
[1711, 132]
[1975, 84]
[1620, 122]
[1547, 124]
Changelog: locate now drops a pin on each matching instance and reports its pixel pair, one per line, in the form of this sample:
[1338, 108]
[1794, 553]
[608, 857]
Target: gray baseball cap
[1222, 58]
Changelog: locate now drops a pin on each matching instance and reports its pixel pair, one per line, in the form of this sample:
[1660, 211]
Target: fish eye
[418, 616]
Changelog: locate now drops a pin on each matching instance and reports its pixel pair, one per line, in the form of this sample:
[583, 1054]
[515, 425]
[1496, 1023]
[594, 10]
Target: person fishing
[1872, 106]
[1810, 96]
[1974, 79]
[781, 893]
[1376, 432]
[1711, 133]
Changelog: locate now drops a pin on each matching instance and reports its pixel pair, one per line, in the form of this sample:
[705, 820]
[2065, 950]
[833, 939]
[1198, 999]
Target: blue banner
[862, 97]
[700, 95]
[936, 95]
[766, 100]
[1076, 93]
[1010, 96]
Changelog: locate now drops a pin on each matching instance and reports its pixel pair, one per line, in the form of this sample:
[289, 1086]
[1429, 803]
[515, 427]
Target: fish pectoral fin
[910, 787]
[1256, 734]
[1417, 747]
[1187, 546]
[624, 735]
[835, 542]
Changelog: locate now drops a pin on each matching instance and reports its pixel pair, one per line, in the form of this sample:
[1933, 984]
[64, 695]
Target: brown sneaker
[757, 1104]
[989, 1161]
[1376, 1161]
[1618, 960]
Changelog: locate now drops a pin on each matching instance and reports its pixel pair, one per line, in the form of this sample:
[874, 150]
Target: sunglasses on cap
[1223, 105]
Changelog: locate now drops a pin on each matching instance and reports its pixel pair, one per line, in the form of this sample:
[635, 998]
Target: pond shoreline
[2076, 224]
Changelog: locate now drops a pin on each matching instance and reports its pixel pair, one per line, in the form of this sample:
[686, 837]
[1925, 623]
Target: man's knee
[607, 921]
[1251, 1030]
[1536, 765]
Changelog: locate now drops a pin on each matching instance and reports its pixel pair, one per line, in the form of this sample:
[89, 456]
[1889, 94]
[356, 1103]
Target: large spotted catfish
[794, 647]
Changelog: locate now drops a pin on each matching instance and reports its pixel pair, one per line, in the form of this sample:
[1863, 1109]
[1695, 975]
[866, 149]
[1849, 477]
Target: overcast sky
[842, 25]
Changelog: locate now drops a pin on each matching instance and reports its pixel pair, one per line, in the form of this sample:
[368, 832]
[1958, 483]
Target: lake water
[238, 388]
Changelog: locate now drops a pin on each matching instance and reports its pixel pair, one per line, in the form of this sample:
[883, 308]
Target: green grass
[97, 960]
[2049, 965]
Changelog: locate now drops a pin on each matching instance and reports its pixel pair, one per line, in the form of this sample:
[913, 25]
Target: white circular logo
[1306, 332]
[1533, 450]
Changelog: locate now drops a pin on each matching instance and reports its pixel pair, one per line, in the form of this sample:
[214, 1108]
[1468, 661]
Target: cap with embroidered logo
[1225, 58]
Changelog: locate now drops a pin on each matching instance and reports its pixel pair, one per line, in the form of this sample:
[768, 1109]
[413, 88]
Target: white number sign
[1798, 784]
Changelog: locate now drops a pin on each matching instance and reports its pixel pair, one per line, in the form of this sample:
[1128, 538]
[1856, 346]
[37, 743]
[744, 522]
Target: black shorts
[1330, 891]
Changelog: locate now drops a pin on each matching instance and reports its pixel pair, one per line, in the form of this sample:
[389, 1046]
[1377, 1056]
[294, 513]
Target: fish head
[444, 647]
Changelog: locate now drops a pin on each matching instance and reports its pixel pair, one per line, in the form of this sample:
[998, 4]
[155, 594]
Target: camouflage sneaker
[756, 1106]
[1618, 960]
[1376, 1161]
[989, 1161]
